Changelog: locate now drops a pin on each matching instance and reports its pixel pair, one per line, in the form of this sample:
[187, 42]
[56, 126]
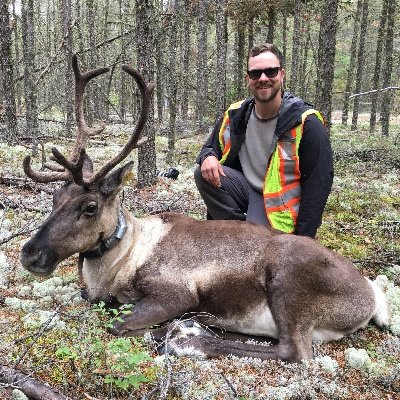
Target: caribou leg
[290, 348]
[194, 340]
[150, 311]
[216, 347]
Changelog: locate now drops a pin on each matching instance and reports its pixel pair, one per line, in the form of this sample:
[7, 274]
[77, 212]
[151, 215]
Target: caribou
[232, 275]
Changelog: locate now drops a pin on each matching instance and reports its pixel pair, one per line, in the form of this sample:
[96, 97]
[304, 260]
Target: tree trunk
[106, 88]
[295, 46]
[17, 86]
[250, 35]
[145, 60]
[221, 38]
[93, 93]
[66, 16]
[124, 93]
[388, 67]
[79, 19]
[161, 71]
[172, 81]
[350, 69]
[185, 61]
[378, 62]
[7, 73]
[305, 47]
[284, 41]
[202, 86]
[28, 41]
[326, 58]
[271, 24]
[239, 62]
[360, 63]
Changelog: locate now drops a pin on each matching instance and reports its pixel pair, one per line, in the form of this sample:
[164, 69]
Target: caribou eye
[90, 209]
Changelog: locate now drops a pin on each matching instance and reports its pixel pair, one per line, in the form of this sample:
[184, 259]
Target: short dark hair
[263, 48]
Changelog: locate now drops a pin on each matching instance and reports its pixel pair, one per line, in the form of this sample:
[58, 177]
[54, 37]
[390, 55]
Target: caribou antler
[133, 142]
[83, 131]
[73, 166]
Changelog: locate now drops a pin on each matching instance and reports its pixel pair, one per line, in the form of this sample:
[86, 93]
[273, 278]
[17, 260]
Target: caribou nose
[29, 256]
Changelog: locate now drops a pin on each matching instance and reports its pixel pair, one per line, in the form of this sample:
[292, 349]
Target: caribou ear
[113, 183]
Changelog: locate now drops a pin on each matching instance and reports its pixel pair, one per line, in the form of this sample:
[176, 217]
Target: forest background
[341, 56]
[196, 53]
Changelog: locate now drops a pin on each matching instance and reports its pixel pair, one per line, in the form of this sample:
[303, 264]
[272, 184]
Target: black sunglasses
[268, 72]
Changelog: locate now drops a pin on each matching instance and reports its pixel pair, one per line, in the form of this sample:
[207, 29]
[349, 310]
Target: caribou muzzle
[38, 262]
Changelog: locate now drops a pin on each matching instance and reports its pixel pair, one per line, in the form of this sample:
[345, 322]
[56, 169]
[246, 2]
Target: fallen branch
[14, 181]
[32, 388]
[26, 183]
[375, 91]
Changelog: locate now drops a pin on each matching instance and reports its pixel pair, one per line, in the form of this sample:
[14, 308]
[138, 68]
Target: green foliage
[124, 370]
[120, 354]
[101, 309]
[359, 222]
[83, 353]
[362, 210]
[66, 353]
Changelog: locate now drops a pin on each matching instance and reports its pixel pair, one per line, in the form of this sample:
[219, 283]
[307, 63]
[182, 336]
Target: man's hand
[211, 170]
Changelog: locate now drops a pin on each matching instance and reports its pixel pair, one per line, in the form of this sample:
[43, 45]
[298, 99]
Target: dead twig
[39, 333]
[375, 91]
[235, 394]
[14, 235]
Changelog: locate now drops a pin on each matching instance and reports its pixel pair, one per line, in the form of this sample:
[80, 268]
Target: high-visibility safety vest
[281, 190]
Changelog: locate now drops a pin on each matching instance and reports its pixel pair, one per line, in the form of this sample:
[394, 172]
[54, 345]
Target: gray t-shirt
[253, 152]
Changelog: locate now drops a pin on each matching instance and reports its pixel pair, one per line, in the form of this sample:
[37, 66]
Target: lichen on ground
[65, 340]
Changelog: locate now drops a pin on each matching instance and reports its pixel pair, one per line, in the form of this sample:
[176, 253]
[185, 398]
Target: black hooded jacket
[315, 155]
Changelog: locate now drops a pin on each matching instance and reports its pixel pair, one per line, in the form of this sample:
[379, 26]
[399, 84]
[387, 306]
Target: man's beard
[265, 98]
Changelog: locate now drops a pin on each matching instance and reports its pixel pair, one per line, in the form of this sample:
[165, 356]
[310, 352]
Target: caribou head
[88, 202]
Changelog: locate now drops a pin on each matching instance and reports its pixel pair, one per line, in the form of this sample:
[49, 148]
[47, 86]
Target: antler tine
[44, 177]
[83, 131]
[146, 91]
[75, 168]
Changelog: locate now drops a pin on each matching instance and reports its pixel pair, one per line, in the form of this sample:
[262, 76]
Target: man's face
[265, 89]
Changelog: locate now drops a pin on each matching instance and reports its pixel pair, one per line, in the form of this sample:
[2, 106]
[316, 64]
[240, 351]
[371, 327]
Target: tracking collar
[110, 242]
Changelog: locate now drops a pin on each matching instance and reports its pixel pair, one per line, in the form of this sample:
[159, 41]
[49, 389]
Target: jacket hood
[292, 108]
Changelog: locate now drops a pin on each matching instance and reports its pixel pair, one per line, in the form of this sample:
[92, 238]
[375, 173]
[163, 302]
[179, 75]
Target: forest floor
[48, 332]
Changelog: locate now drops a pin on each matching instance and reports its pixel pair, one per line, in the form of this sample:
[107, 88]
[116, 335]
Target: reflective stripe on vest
[224, 135]
[282, 190]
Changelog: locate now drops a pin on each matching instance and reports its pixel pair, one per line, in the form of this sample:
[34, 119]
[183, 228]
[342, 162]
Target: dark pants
[235, 199]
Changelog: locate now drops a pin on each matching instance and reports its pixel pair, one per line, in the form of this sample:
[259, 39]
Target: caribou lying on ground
[234, 275]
